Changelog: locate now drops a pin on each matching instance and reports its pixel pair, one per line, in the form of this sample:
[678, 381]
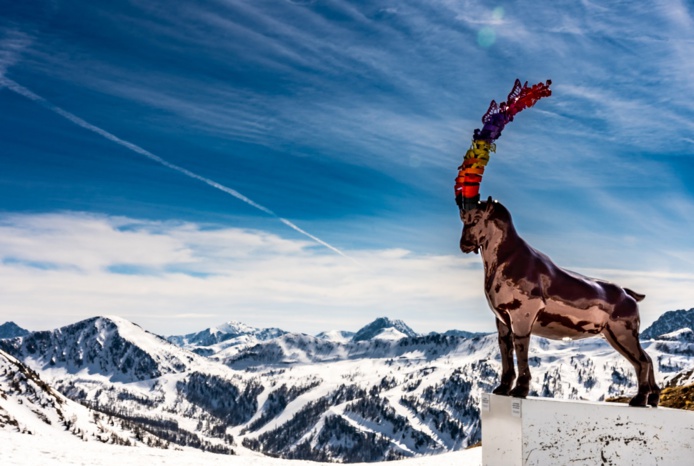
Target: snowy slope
[336, 336]
[46, 450]
[30, 406]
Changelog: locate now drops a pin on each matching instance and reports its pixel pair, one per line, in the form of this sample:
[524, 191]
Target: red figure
[522, 97]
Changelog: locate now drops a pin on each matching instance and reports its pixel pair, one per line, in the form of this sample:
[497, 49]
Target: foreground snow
[30, 450]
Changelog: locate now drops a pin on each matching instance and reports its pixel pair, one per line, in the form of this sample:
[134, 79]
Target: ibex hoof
[639, 400]
[653, 399]
[503, 390]
[520, 392]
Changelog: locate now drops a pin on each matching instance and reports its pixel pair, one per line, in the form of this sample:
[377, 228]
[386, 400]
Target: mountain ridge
[107, 345]
[306, 397]
[669, 322]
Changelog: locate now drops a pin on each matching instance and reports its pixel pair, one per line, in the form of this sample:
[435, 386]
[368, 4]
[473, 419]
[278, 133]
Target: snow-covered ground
[32, 450]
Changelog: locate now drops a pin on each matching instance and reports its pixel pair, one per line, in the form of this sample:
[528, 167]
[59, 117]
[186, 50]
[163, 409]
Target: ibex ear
[490, 204]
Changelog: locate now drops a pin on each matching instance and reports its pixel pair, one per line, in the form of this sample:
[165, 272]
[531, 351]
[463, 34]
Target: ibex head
[476, 224]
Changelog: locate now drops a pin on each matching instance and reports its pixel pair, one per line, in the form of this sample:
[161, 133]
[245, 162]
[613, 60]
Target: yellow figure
[470, 172]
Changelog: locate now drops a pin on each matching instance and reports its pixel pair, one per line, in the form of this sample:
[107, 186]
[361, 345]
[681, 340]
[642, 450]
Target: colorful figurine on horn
[467, 184]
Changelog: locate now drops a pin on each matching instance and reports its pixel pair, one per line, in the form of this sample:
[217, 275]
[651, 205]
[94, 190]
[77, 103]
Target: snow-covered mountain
[225, 340]
[109, 347]
[385, 329]
[236, 341]
[11, 330]
[669, 322]
[325, 399]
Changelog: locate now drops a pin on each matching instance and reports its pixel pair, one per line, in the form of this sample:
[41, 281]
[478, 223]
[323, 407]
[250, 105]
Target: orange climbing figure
[467, 184]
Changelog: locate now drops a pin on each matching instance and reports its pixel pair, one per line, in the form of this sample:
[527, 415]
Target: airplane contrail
[23, 91]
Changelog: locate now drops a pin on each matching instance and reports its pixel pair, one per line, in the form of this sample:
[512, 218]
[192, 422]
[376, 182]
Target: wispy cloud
[139, 150]
[427, 55]
[308, 52]
[220, 273]
[12, 43]
[634, 120]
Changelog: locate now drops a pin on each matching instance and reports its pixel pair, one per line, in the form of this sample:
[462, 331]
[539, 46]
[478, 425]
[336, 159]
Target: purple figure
[494, 120]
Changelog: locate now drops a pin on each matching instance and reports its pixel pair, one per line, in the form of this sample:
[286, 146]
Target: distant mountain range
[225, 340]
[383, 392]
[225, 332]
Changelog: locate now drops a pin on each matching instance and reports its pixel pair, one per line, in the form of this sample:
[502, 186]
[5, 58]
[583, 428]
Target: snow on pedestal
[541, 431]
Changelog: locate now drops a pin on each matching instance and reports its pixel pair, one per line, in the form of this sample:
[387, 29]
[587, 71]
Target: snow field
[57, 450]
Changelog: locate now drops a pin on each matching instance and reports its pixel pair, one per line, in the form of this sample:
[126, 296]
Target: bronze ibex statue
[531, 295]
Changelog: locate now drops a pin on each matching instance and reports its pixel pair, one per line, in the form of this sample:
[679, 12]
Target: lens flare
[498, 13]
[486, 37]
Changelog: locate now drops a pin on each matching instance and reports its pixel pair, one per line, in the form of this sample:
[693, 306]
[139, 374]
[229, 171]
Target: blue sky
[142, 144]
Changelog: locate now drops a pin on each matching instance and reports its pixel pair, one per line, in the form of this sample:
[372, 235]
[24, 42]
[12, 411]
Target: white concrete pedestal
[544, 432]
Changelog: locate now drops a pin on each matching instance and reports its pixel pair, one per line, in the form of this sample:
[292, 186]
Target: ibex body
[531, 295]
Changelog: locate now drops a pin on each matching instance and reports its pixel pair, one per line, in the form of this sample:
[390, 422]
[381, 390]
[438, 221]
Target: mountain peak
[12, 330]
[384, 328]
[235, 327]
[108, 345]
